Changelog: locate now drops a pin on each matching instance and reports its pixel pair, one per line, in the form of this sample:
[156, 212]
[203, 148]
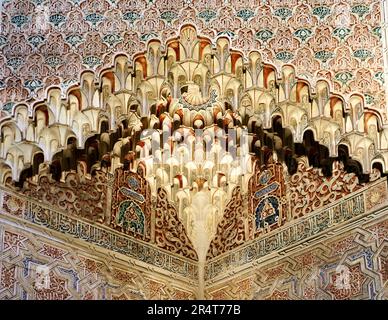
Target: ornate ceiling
[194, 139]
[45, 43]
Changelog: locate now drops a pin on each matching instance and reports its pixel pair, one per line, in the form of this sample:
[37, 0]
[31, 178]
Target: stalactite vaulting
[193, 161]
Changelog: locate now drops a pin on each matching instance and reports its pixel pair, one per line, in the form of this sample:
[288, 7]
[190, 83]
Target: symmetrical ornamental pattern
[309, 190]
[77, 195]
[131, 205]
[38, 267]
[267, 202]
[176, 151]
[275, 198]
[295, 233]
[50, 43]
[45, 217]
[170, 234]
[231, 230]
[352, 265]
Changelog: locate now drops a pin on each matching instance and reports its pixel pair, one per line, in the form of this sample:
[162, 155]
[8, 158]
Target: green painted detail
[283, 13]
[131, 16]
[377, 32]
[303, 34]
[169, 16]
[324, 55]
[321, 12]
[264, 35]
[341, 33]
[360, 10]
[207, 15]
[362, 54]
[245, 14]
[284, 56]
[369, 99]
[379, 76]
[53, 61]
[91, 61]
[343, 77]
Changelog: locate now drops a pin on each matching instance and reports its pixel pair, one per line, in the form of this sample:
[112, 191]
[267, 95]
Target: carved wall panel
[267, 202]
[131, 205]
[77, 195]
[170, 233]
[310, 190]
[275, 198]
[351, 265]
[231, 231]
[41, 267]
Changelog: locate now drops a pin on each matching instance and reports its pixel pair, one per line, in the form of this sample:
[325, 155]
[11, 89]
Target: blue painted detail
[284, 56]
[324, 55]
[26, 265]
[245, 14]
[303, 34]
[3, 40]
[321, 12]
[15, 62]
[133, 183]
[228, 33]
[169, 16]
[19, 20]
[112, 39]
[74, 275]
[283, 13]
[367, 254]
[132, 194]
[372, 291]
[267, 212]
[53, 61]
[272, 187]
[264, 35]
[147, 36]
[362, 54]
[265, 176]
[92, 61]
